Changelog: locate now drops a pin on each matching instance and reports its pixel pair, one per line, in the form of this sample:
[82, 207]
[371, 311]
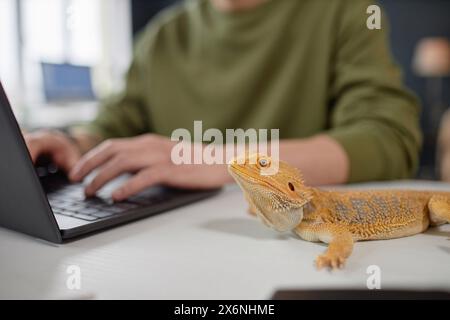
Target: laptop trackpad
[66, 223]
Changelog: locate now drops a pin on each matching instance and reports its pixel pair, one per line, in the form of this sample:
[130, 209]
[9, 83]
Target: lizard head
[278, 198]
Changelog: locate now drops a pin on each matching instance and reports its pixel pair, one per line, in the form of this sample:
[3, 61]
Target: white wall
[9, 72]
[96, 33]
[117, 43]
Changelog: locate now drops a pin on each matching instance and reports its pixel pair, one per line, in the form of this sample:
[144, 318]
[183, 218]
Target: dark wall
[144, 10]
[410, 21]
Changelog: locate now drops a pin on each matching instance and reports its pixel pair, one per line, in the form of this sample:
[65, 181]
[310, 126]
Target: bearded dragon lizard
[339, 218]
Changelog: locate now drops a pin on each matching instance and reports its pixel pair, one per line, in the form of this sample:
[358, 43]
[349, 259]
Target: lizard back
[373, 214]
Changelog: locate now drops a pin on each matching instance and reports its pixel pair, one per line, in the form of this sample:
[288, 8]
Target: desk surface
[212, 250]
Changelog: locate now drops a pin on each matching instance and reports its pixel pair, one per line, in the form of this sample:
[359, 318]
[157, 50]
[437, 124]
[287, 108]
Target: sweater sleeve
[126, 114]
[374, 117]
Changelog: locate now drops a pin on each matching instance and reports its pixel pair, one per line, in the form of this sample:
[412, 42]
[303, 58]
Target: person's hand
[61, 149]
[149, 157]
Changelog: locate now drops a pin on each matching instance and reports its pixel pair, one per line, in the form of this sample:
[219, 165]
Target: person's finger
[94, 159]
[66, 156]
[124, 162]
[142, 180]
[62, 153]
[40, 143]
[112, 169]
[34, 149]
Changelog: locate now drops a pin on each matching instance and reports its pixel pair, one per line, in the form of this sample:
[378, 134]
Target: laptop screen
[67, 83]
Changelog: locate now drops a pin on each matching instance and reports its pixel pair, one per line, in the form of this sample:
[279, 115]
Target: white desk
[212, 249]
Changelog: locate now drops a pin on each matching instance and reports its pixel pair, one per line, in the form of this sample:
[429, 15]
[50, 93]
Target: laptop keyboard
[71, 201]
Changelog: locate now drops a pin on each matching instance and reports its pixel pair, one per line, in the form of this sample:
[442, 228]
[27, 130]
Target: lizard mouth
[286, 221]
[240, 175]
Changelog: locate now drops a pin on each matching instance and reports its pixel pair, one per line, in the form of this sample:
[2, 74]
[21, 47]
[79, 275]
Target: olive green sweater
[303, 66]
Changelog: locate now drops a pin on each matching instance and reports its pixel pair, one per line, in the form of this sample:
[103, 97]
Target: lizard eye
[263, 162]
[291, 186]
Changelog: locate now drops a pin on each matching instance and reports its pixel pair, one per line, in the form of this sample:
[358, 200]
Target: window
[9, 61]
[92, 33]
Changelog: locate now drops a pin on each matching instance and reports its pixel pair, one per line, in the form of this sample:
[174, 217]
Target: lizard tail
[439, 207]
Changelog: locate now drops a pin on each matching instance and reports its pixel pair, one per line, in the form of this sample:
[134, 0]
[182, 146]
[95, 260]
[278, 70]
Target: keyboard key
[94, 202]
[76, 207]
[142, 200]
[63, 212]
[87, 211]
[75, 196]
[58, 205]
[126, 205]
[71, 201]
[113, 209]
[85, 217]
[57, 211]
[102, 214]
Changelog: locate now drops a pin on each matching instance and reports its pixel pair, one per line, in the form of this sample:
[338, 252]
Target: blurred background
[59, 57]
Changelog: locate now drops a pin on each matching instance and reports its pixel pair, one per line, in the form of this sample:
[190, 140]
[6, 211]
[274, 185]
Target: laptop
[67, 83]
[40, 201]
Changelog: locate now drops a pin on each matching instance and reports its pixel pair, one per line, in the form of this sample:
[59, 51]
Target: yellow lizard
[339, 218]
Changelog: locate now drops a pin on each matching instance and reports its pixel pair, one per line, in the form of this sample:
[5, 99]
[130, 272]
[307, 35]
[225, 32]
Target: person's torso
[271, 68]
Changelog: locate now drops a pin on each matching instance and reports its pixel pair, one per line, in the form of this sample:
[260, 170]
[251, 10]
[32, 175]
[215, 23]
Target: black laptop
[40, 201]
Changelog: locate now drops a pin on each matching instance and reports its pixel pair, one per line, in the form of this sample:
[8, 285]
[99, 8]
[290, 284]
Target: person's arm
[322, 160]
[374, 118]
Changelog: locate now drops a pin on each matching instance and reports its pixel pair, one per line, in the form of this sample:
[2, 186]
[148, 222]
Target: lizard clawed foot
[330, 261]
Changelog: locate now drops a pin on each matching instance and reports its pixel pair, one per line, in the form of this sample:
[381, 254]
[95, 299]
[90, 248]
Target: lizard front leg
[439, 208]
[338, 237]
